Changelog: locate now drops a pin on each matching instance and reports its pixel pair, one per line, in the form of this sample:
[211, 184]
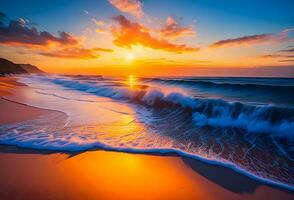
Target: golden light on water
[132, 81]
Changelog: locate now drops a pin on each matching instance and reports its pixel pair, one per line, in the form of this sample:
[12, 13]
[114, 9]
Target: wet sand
[32, 174]
[29, 174]
[13, 112]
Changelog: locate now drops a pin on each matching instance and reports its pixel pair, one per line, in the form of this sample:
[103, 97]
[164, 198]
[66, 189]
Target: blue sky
[227, 17]
[208, 21]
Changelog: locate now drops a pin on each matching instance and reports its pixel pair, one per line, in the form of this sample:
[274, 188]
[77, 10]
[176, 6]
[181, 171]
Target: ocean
[246, 124]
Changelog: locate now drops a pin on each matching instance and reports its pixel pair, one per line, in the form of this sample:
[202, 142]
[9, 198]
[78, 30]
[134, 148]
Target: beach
[99, 174]
[13, 112]
[146, 99]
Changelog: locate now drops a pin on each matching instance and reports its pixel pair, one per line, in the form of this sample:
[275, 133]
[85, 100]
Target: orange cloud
[132, 33]
[271, 56]
[97, 22]
[17, 33]
[286, 61]
[173, 29]
[276, 56]
[100, 26]
[133, 7]
[254, 39]
[75, 52]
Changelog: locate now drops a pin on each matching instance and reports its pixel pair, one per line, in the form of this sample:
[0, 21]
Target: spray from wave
[212, 112]
[255, 139]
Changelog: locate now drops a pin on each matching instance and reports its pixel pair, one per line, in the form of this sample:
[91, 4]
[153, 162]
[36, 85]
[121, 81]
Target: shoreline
[211, 171]
[174, 153]
[224, 182]
[21, 112]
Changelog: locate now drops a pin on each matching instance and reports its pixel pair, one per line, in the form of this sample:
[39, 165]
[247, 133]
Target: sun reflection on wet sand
[109, 176]
[100, 175]
[131, 176]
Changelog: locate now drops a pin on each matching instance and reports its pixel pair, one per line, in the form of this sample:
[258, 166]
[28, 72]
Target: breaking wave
[274, 120]
[256, 140]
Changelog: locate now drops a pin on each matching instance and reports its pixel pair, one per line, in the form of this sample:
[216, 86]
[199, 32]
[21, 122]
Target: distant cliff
[31, 68]
[8, 67]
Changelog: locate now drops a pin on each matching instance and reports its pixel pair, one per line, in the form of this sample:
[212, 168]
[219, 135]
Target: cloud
[276, 56]
[173, 29]
[23, 22]
[102, 49]
[255, 39]
[21, 33]
[76, 53]
[287, 50]
[18, 33]
[133, 7]
[270, 56]
[169, 62]
[131, 33]
[286, 61]
[97, 22]
[100, 25]
[246, 40]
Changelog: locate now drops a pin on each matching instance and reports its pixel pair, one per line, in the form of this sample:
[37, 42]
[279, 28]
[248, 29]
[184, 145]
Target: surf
[244, 137]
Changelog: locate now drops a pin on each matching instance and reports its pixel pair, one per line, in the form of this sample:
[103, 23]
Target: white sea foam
[211, 112]
[150, 120]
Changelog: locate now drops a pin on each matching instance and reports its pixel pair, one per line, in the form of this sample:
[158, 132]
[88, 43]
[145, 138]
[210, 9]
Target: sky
[151, 37]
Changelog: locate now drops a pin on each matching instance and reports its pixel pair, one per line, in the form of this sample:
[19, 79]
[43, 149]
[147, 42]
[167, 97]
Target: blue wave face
[277, 121]
[162, 115]
[278, 91]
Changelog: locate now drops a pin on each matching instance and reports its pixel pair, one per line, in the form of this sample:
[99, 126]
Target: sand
[13, 112]
[32, 174]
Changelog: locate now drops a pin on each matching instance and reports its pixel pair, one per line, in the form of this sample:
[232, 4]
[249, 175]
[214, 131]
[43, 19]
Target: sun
[130, 56]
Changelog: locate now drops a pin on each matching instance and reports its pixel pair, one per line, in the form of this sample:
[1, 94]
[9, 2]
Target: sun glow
[130, 56]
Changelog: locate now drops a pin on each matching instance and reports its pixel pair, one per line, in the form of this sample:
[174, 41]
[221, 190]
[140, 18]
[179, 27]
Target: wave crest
[276, 121]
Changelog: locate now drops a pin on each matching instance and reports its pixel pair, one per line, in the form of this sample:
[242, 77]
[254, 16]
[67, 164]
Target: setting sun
[146, 99]
[130, 56]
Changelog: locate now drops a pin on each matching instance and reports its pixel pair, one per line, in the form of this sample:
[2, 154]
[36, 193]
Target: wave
[43, 141]
[255, 119]
[39, 134]
[277, 121]
[252, 139]
[284, 90]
